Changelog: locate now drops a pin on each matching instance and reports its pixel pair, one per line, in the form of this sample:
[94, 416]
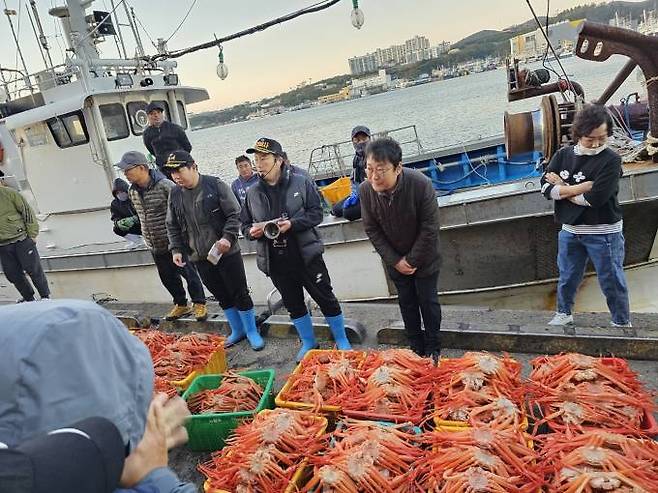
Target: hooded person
[70, 360]
[124, 216]
[350, 207]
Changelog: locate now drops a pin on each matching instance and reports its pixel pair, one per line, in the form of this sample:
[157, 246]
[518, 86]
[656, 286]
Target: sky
[315, 46]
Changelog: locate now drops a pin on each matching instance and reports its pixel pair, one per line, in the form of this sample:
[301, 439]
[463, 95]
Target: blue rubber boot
[235, 322]
[304, 327]
[248, 318]
[337, 327]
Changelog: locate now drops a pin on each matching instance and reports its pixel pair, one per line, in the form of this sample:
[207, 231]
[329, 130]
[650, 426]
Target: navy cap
[131, 159]
[266, 145]
[178, 159]
[154, 105]
[361, 129]
[88, 456]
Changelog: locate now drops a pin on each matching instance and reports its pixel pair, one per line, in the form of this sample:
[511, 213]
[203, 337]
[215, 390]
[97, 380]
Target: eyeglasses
[377, 172]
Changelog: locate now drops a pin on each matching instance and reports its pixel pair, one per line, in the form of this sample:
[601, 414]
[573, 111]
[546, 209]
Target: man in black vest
[203, 220]
[162, 137]
[291, 253]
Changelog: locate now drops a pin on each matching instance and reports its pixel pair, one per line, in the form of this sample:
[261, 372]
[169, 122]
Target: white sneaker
[561, 319]
[626, 325]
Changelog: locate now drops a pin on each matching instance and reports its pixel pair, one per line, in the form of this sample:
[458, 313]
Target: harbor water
[445, 113]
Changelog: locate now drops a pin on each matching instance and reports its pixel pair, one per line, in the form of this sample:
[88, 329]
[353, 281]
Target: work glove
[126, 223]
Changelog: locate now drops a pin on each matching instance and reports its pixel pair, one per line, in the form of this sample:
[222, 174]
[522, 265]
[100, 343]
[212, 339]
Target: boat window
[137, 115]
[114, 121]
[68, 130]
[181, 114]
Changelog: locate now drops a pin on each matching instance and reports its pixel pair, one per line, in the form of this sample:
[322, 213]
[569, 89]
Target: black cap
[178, 159]
[361, 129]
[154, 105]
[269, 146]
[88, 456]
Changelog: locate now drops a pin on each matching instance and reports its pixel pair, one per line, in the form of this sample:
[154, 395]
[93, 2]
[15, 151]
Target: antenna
[116, 21]
[133, 27]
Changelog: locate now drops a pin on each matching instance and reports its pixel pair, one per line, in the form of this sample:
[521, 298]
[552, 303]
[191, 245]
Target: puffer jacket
[17, 219]
[151, 206]
[300, 200]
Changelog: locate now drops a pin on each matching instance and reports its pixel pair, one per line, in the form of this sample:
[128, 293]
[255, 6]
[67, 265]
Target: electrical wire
[148, 35]
[183, 21]
[316, 7]
[550, 45]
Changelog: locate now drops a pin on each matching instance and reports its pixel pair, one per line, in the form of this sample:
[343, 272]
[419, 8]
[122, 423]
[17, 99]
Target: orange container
[301, 474]
[360, 356]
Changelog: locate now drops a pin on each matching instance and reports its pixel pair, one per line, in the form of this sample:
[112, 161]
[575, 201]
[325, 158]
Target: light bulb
[357, 17]
[222, 70]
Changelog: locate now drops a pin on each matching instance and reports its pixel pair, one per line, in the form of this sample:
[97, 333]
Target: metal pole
[116, 21]
[8, 13]
[131, 21]
[42, 37]
[616, 83]
[36, 35]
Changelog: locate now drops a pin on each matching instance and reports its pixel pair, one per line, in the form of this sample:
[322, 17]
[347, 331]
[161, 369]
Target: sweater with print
[604, 170]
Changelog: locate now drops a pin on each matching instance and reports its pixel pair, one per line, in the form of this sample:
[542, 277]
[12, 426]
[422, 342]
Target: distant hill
[481, 44]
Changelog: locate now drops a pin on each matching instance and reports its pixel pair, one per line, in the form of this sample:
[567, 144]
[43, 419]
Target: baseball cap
[154, 105]
[178, 159]
[87, 456]
[131, 159]
[361, 129]
[269, 146]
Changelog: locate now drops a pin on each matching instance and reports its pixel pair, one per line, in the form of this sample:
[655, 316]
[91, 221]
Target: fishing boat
[62, 130]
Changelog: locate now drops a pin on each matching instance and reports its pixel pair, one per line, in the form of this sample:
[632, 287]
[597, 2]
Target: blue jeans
[607, 254]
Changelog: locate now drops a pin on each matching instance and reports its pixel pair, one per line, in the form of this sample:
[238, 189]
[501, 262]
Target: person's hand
[554, 179]
[151, 452]
[223, 245]
[404, 267]
[587, 185]
[284, 225]
[256, 232]
[175, 413]
[178, 259]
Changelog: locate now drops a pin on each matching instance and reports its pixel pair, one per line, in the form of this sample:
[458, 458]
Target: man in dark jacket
[246, 178]
[203, 220]
[149, 194]
[161, 137]
[350, 207]
[401, 218]
[289, 250]
[124, 216]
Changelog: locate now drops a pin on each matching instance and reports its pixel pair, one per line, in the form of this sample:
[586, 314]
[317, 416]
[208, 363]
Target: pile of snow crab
[479, 388]
[597, 461]
[366, 456]
[175, 356]
[323, 378]
[235, 393]
[262, 456]
[483, 459]
[573, 393]
[393, 384]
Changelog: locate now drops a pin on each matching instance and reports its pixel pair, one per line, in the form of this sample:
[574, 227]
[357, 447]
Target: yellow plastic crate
[337, 190]
[216, 364]
[305, 406]
[301, 474]
[446, 425]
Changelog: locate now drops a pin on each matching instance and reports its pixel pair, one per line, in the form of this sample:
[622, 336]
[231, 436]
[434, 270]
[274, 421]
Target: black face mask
[360, 148]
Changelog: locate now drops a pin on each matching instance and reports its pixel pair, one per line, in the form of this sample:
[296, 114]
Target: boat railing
[335, 160]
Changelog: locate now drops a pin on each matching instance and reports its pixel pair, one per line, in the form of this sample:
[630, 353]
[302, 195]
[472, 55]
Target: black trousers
[170, 275]
[418, 296]
[314, 277]
[227, 282]
[18, 258]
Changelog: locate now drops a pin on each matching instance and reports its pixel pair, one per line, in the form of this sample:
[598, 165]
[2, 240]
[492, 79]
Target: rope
[183, 21]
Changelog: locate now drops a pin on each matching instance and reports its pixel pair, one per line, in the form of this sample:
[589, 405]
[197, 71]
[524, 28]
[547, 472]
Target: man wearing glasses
[401, 217]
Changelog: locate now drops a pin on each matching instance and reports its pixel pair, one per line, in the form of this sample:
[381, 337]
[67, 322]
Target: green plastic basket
[207, 432]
